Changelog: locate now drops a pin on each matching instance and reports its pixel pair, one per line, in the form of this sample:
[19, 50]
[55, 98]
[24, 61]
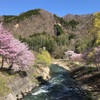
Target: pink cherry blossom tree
[17, 54]
[76, 57]
[72, 56]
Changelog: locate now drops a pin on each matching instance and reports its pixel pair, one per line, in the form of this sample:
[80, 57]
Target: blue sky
[59, 7]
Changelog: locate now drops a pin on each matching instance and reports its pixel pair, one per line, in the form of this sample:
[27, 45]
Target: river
[61, 86]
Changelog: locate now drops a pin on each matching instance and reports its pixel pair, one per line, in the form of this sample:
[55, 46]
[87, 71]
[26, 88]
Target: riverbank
[20, 84]
[88, 78]
[17, 85]
[65, 64]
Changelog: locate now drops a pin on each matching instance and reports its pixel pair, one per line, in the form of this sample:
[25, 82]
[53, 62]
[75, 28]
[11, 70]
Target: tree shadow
[41, 80]
[88, 78]
[11, 72]
[81, 71]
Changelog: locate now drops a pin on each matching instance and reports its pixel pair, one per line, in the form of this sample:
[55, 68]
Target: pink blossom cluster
[14, 51]
[76, 57]
[73, 56]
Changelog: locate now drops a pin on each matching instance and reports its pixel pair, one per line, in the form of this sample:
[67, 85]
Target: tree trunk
[10, 67]
[2, 63]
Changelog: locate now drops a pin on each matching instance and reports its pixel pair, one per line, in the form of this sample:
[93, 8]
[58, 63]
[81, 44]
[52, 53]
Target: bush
[43, 58]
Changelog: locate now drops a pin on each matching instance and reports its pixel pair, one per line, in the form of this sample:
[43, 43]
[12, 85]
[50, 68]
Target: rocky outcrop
[23, 83]
[19, 86]
[62, 64]
[44, 72]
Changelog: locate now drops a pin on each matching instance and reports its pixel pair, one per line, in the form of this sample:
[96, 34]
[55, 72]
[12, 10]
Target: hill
[69, 32]
[33, 21]
[38, 21]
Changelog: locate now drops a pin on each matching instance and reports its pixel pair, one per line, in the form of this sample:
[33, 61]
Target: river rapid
[61, 86]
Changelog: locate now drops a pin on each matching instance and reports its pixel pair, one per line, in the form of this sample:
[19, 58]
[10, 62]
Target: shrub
[44, 58]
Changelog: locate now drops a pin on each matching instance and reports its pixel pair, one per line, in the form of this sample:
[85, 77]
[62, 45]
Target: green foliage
[80, 45]
[7, 18]
[28, 14]
[50, 44]
[66, 24]
[37, 41]
[62, 40]
[96, 21]
[97, 42]
[73, 23]
[96, 28]
[58, 30]
[83, 43]
[90, 56]
[44, 58]
[22, 16]
[38, 34]
[61, 21]
[59, 52]
[72, 36]
[3, 87]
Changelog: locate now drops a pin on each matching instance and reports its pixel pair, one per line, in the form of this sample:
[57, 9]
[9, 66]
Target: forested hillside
[40, 29]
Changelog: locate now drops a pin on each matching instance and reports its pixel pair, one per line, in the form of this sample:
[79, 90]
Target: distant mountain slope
[34, 21]
[37, 21]
[84, 22]
[40, 28]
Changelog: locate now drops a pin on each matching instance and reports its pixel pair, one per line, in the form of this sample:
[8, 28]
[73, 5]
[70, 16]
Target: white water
[39, 91]
[60, 87]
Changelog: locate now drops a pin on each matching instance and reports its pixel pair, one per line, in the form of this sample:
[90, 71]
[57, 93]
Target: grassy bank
[4, 79]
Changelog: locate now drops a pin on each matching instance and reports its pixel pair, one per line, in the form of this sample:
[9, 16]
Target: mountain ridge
[75, 28]
[36, 23]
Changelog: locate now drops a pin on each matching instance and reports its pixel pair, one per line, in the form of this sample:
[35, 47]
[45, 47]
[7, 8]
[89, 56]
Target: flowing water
[60, 87]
